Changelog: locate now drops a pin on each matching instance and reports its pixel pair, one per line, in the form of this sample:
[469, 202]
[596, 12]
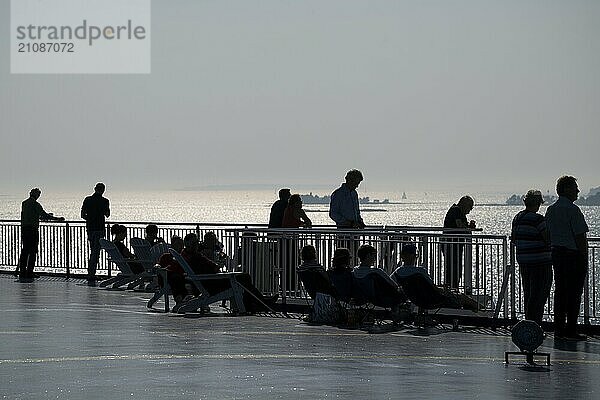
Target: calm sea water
[419, 209]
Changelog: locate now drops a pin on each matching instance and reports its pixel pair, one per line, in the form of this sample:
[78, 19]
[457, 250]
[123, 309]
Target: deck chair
[142, 251]
[125, 276]
[316, 280]
[234, 293]
[373, 291]
[428, 297]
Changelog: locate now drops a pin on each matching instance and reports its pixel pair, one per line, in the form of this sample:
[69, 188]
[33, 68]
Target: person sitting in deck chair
[254, 300]
[373, 284]
[152, 235]
[420, 288]
[312, 274]
[340, 274]
[120, 233]
[175, 274]
[212, 249]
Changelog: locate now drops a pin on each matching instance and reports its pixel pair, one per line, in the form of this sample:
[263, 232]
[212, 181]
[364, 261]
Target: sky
[488, 95]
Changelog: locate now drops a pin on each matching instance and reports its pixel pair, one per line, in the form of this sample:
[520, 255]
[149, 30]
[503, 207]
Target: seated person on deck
[152, 235]
[340, 273]
[175, 274]
[420, 288]
[253, 299]
[120, 233]
[212, 249]
[312, 274]
[373, 284]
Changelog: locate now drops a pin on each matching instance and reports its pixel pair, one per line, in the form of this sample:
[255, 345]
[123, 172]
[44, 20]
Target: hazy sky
[416, 94]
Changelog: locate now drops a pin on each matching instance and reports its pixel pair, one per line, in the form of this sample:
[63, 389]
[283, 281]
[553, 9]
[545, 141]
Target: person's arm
[84, 210]
[582, 244]
[107, 211]
[304, 218]
[44, 216]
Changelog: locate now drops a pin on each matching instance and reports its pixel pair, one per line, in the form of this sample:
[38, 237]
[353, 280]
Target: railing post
[469, 266]
[586, 296]
[513, 297]
[105, 256]
[67, 250]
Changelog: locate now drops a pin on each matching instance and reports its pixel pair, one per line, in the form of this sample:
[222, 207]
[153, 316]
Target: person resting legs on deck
[432, 294]
[254, 300]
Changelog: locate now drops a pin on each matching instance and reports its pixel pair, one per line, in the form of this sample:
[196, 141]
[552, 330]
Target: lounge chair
[234, 293]
[125, 276]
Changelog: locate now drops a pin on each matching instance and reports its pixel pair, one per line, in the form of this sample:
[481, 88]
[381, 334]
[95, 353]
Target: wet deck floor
[65, 340]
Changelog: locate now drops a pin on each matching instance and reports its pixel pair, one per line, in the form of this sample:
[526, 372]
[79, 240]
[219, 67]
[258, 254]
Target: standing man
[568, 230]
[31, 214]
[278, 208]
[530, 237]
[453, 249]
[343, 207]
[94, 210]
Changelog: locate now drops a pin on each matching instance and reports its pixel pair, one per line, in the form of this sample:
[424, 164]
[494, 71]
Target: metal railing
[590, 301]
[489, 270]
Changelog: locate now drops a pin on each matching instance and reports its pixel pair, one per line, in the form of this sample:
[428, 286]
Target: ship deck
[62, 339]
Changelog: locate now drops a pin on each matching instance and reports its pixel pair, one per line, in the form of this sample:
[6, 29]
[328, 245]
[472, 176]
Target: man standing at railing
[31, 214]
[94, 210]
[453, 249]
[343, 207]
[568, 230]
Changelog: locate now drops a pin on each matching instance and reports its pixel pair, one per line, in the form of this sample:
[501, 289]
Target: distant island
[592, 199]
[316, 199]
[517, 199]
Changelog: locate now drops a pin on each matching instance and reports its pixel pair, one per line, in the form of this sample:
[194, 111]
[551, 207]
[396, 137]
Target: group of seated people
[366, 283]
[206, 257]
[363, 283]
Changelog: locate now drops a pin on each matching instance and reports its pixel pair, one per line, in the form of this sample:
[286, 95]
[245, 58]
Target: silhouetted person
[200, 264]
[278, 208]
[344, 208]
[212, 249]
[456, 219]
[94, 211]
[31, 214]
[530, 237]
[385, 291]
[119, 233]
[415, 281]
[152, 235]
[294, 216]
[175, 274]
[340, 273]
[568, 229]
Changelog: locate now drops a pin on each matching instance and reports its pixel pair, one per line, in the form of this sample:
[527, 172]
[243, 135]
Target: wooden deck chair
[234, 293]
[142, 251]
[125, 276]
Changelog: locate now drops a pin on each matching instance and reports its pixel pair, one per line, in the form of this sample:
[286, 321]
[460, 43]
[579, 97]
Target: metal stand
[529, 356]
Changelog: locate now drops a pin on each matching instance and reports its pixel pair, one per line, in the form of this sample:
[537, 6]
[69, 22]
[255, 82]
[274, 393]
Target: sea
[252, 207]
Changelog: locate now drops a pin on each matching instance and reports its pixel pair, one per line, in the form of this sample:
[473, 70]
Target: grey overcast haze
[417, 94]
